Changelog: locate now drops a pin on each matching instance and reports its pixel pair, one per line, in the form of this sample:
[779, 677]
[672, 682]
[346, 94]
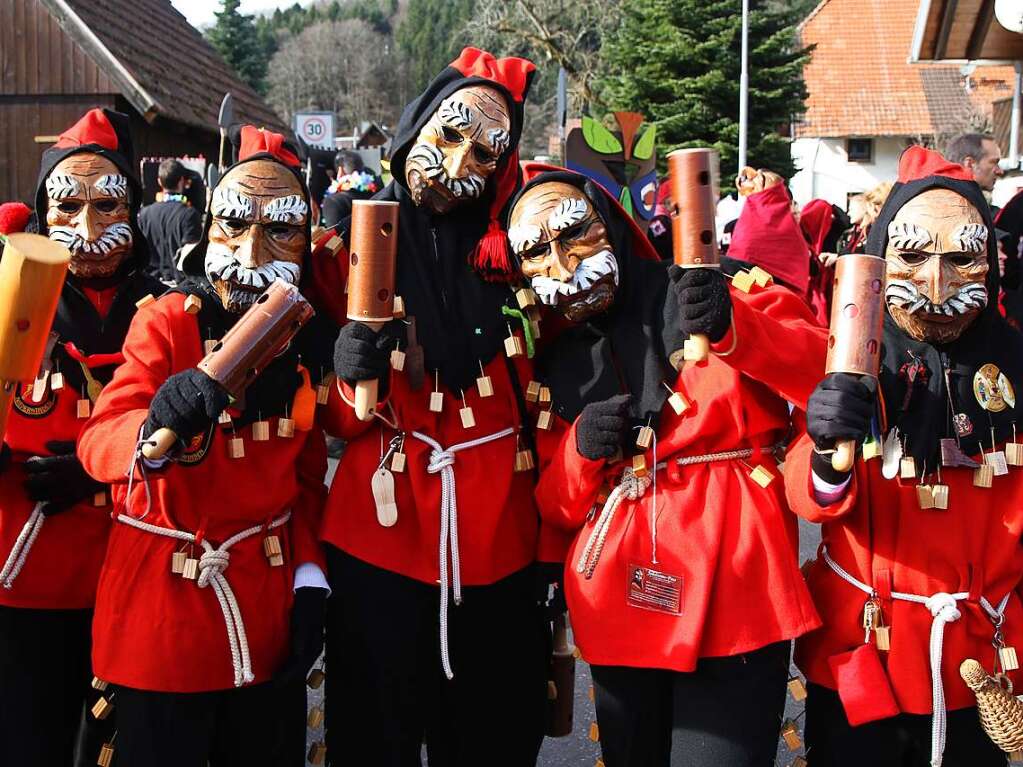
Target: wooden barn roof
[861, 82]
[163, 66]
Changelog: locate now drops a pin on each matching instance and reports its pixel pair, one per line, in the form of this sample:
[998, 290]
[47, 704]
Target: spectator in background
[351, 182]
[170, 222]
[978, 153]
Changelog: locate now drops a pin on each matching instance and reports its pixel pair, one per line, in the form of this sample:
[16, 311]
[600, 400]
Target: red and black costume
[683, 584]
[205, 668]
[940, 578]
[49, 582]
[466, 517]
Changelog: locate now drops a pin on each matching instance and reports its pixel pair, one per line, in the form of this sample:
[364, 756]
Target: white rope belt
[442, 461]
[632, 487]
[944, 610]
[212, 564]
[22, 546]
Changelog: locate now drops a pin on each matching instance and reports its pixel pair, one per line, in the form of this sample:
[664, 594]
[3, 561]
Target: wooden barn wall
[38, 58]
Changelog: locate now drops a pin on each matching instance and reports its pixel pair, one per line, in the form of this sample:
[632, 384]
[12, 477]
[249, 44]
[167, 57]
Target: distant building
[867, 102]
[59, 58]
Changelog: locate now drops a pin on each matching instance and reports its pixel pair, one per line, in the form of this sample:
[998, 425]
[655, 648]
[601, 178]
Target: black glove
[187, 403]
[601, 426]
[362, 354]
[705, 305]
[307, 618]
[272, 390]
[840, 408]
[59, 481]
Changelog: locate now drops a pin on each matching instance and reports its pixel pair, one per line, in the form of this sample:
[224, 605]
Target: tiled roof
[179, 75]
[861, 83]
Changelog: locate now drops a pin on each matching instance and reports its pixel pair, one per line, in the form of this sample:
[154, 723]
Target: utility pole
[744, 86]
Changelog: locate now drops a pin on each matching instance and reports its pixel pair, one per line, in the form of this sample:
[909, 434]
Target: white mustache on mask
[589, 271]
[222, 265]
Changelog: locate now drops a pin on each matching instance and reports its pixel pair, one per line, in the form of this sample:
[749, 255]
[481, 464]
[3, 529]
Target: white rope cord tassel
[631, 487]
[442, 461]
[212, 564]
[22, 546]
[944, 610]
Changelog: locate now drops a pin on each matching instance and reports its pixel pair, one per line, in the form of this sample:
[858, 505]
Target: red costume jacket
[499, 527]
[154, 629]
[879, 534]
[732, 542]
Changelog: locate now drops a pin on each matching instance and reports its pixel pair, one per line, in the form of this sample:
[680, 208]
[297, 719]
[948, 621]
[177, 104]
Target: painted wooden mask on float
[458, 148]
[562, 245]
[259, 232]
[936, 266]
[624, 162]
[89, 212]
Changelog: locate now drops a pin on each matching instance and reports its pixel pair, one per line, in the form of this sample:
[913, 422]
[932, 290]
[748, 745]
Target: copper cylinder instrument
[857, 319]
[693, 175]
[372, 259]
[255, 340]
[32, 272]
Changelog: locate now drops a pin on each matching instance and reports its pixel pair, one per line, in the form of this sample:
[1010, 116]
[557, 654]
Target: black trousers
[902, 741]
[387, 693]
[258, 726]
[726, 712]
[45, 674]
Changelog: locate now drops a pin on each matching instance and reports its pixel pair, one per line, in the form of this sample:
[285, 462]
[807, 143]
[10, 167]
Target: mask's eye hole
[914, 258]
[106, 206]
[451, 135]
[280, 231]
[484, 155]
[534, 253]
[961, 260]
[574, 232]
[233, 226]
[69, 206]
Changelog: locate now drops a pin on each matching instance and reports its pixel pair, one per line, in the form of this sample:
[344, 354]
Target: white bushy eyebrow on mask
[970, 238]
[112, 185]
[286, 210]
[904, 235]
[523, 237]
[570, 211]
[229, 203]
[60, 186]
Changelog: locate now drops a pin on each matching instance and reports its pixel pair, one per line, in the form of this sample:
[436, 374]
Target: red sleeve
[312, 497]
[554, 541]
[776, 342]
[799, 485]
[569, 485]
[107, 443]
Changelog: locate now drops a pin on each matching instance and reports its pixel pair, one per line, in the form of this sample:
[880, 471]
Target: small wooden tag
[436, 401]
[983, 476]
[743, 281]
[532, 391]
[99, 684]
[939, 494]
[761, 475]
[760, 277]
[678, 403]
[524, 460]
[56, 381]
[398, 462]
[691, 352]
[797, 689]
[871, 450]
[106, 755]
[272, 550]
[639, 467]
[191, 569]
[285, 428]
[100, 498]
[645, 438]
[315, 678]
[224, 419]
[544, 420]
[178, 562]
[882, 635]
[925, 496]
[513, 346]
[236, 447]
[594, 732]
[545, 396]
[485, 386]
[468, 419]
[208, 345]
[790, 734]
[102, 708]
[398, 360]
[525, 298]
[1007, 656]
[84, 408]
[907, 468]
[399, 308]
[260, 431]
[146, 300]
[1013, 450]
[315, 718]
[317, 753]
[193, 304]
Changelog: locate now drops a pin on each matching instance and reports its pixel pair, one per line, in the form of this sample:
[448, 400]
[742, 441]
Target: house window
[860, 149]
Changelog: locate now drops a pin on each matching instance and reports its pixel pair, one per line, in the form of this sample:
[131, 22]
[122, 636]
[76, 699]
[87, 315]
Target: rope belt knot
[630, 487]
[212, 564]
[944, 609]
[442, 461]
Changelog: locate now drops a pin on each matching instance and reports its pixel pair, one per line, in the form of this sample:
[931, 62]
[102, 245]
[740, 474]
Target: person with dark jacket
[54, 518]
[351, 182]
[170, 222]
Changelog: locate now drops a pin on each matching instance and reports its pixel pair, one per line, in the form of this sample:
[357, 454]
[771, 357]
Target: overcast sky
[200, 12]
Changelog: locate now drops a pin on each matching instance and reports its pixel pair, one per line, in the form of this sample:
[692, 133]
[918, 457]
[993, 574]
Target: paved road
[578, 750]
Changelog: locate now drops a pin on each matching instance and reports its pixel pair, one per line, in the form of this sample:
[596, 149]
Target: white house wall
[824, 171]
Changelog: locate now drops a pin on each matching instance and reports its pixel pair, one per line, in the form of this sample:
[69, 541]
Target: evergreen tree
[235, 37]
[678, 62]
[428, 37]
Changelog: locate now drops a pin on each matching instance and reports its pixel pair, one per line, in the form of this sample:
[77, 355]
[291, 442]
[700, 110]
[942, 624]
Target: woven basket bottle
[1001, 713]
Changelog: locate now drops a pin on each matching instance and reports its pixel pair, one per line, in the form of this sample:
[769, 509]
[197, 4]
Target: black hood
[924, 416]
[624, 350]
[124, 158]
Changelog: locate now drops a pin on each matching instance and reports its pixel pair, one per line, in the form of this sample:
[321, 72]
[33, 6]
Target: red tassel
[14, 217]
[490, 259]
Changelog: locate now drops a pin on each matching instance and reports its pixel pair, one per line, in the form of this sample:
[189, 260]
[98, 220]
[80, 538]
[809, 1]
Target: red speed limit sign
[315, 128]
